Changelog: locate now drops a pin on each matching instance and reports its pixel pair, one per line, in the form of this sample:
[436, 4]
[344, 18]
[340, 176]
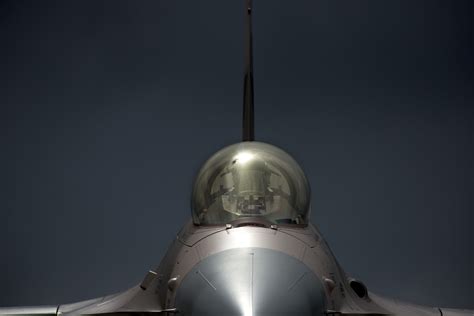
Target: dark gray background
[109, 108]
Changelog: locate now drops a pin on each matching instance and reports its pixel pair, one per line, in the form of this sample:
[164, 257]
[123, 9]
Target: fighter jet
[249, 248]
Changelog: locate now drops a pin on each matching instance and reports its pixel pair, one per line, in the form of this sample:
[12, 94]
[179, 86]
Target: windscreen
[251, 180]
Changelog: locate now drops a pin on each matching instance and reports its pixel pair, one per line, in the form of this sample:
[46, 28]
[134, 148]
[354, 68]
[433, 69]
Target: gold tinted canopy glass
[251, 180]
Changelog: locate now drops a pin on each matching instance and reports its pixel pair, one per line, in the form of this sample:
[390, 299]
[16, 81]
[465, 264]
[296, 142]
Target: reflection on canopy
[250, 180]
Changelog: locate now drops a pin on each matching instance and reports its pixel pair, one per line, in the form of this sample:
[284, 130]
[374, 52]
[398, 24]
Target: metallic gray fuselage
[281, 256]
[245, 271]
[250, 281]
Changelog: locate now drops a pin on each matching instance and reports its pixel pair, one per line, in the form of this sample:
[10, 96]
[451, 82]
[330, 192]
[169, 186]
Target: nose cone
[250, 282]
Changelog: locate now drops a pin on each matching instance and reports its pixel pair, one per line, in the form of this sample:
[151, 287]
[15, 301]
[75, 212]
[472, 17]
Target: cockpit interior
[251, 181]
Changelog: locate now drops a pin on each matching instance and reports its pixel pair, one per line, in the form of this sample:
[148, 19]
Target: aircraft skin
[244, 270]
[249, 249]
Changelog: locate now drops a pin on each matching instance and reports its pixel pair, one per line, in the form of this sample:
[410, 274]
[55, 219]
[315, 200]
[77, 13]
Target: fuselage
[244, 270]
[254, 270]
[249, 250]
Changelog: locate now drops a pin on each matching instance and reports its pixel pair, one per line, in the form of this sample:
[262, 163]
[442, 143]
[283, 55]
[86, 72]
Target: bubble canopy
[251, 181]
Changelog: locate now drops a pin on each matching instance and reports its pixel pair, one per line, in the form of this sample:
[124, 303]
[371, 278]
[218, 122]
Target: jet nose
[250, 282]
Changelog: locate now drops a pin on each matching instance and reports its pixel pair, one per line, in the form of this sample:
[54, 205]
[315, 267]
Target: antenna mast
[248, 131]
